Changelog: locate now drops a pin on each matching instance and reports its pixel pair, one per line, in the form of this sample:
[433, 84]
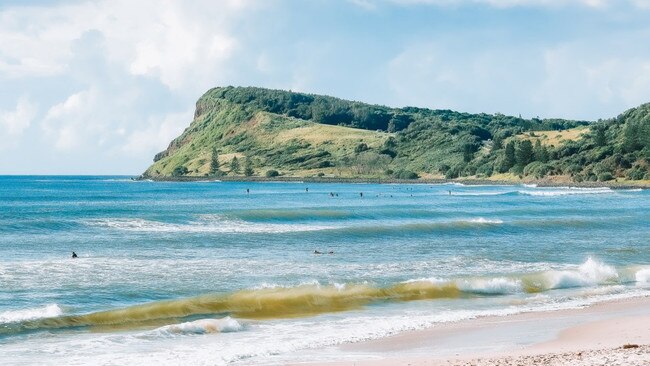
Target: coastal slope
[242, 132]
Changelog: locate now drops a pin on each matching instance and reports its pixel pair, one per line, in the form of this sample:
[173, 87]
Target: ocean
[206, 273]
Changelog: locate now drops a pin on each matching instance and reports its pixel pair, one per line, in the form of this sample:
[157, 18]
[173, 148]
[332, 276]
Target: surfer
[248, 191]
[361, 194]
[307, 189]
[74, 255]
[317, 252]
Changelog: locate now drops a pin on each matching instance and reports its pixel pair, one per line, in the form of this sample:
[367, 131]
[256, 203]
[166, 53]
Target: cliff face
[254, 131]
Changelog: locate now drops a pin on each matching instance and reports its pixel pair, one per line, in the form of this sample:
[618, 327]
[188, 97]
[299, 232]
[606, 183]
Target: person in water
[74, 255]
[317, 252]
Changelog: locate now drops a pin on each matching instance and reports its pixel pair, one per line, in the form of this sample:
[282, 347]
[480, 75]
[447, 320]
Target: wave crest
[48, 311]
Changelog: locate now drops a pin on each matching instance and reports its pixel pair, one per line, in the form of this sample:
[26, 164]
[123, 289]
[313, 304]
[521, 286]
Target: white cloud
[578, 78]
[148, 138]
[14, 122]
[73, 123]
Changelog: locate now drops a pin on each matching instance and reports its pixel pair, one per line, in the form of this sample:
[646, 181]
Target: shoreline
[567, 337]
[468, 182]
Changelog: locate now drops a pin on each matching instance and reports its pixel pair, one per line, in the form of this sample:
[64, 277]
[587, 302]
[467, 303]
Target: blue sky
[98, 87]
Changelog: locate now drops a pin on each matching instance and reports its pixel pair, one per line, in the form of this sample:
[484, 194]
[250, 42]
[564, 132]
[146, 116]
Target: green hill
[260, 132]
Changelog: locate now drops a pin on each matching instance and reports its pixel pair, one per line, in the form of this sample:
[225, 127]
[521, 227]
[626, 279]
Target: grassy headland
[259, 134]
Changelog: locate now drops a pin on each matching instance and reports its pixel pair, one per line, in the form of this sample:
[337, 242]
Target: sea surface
[205, 273]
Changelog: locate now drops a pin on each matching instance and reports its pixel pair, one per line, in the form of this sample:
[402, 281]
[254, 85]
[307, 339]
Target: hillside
[261, 132]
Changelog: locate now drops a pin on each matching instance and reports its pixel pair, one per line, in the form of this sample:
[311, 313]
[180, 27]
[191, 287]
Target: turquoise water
[208, 273]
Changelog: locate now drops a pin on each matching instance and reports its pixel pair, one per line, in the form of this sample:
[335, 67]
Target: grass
[554, 138]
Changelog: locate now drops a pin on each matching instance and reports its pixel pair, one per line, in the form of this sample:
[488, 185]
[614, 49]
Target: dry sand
[589, 336]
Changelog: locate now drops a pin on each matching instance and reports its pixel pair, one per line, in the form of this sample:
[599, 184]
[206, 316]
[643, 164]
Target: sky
[100, 86]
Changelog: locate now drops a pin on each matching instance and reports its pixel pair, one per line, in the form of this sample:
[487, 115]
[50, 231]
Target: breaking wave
[201, 326]
[312, 298]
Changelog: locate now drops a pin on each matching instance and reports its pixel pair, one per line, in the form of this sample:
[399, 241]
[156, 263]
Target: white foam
[266, 285]
[590, 273]
[480, 193]
[566, 191]
[433, 280]
[491, 286]
[482, 220]
[202, 326]
[48, 311]
[643, 275]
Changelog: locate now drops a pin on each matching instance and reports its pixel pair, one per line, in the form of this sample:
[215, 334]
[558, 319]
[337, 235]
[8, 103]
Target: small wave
[206, 224]
[418, 227]
[482, 220]
[201, 326]
[292, 214]
[481, 193]
[566, 191]
[48, 311]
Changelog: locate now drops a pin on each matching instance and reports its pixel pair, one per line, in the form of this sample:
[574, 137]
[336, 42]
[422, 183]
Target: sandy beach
[609, 333]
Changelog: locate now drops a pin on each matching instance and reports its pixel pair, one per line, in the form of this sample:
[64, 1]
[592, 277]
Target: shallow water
[206, 273]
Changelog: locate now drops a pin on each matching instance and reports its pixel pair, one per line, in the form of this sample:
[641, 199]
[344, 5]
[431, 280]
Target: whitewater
[209, 274]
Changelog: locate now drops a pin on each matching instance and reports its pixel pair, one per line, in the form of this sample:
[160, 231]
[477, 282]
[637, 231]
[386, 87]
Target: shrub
[271, 173]
[605, 176]
[179, 171]
[361, 147]
[406, 174]
[537, 169]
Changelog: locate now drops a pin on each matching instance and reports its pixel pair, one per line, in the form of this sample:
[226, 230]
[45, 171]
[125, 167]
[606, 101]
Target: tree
[497, 143]
[600, 139]
[540, 152]
[234, 165]
[510, 159]
[468, 152]
[248, 167]
[524, 153]
[214, 163]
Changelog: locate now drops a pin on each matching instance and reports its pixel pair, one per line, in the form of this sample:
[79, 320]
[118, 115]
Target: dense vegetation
[262, 132]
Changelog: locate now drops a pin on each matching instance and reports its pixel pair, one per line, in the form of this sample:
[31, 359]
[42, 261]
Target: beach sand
[608, 333]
